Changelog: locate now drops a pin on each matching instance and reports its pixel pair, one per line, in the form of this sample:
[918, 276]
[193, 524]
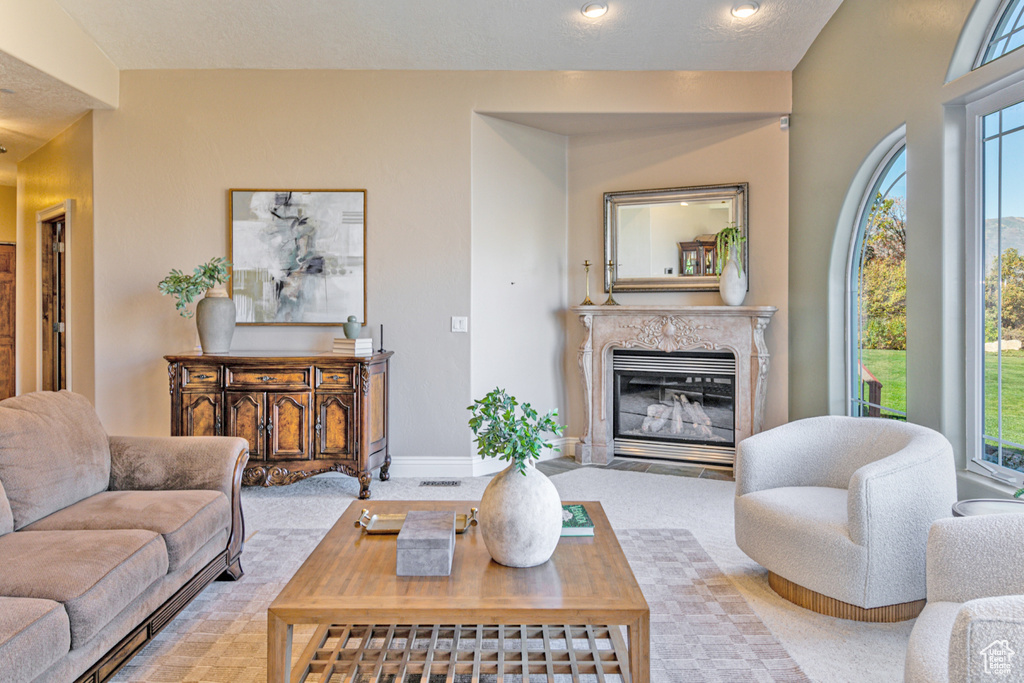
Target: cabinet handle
[203, 376]
[266, 378]
[319, 427]
[335, 377]
[270, 428]
[260, 428]
[216, 425]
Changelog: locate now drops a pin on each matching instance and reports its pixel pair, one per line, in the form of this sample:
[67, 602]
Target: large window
[1002, 291]
[1007, 33]
[878, 296]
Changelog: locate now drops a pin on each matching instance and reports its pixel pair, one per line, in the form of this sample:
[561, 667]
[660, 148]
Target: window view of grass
[881, 316]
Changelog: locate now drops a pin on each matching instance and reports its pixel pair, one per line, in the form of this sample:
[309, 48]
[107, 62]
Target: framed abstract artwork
[299, 256]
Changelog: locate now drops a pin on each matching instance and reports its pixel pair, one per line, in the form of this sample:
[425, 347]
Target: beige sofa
[104, 539]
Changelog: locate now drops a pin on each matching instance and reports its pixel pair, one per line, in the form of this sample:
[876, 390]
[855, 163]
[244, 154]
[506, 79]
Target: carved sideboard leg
[364, 484]
[384, 473]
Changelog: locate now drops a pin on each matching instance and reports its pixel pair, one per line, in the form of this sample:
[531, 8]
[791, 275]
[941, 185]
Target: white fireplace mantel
[738, 329]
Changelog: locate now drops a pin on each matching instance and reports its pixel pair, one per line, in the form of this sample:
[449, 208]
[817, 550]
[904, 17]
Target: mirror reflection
[664, 240]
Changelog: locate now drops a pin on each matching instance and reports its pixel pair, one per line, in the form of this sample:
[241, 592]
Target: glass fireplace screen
[687, 397]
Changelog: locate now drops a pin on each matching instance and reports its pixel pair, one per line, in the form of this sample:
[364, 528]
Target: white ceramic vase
[731, 285]
[215, 320]
[520, 517]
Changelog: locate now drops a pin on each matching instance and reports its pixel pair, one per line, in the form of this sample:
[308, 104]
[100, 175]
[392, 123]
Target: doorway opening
[53, 240]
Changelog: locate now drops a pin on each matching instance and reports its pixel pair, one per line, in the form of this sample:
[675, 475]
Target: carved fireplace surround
[737, 329]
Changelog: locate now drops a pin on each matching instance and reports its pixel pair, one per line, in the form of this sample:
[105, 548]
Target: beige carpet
[221, 637]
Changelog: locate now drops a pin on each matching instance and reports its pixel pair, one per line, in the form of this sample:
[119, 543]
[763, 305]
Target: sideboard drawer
[199, 377]
[335, 378]
[268, 378]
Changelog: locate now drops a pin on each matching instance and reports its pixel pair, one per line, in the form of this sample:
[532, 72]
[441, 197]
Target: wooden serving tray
[392, 523]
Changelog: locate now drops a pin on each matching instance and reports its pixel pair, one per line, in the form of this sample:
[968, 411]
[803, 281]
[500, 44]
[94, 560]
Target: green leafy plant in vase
[520, 510]
[732, 282]
[508, 430]
[215, 313]
[185, 288]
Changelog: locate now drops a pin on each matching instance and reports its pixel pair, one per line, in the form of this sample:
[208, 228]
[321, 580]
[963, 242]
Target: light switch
[460, 323]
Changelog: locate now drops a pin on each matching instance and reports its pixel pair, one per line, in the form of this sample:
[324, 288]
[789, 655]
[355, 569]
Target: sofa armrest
[983, 632]
[975, 557]
[899, 496]
[176, 463]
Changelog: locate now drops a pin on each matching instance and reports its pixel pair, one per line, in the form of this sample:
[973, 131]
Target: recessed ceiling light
[593, 10]
[745, 10]
[684, 203]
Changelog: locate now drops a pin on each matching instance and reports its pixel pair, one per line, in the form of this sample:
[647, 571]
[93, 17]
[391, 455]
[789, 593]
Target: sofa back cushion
[53, 452]
[6, 516]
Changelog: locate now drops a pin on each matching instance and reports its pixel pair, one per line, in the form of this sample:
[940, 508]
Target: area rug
[701, 627]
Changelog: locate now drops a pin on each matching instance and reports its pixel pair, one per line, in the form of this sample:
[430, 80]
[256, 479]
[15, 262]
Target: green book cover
[576, 521]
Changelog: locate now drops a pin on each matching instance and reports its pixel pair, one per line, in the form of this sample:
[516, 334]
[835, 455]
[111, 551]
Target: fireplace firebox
[679, 405]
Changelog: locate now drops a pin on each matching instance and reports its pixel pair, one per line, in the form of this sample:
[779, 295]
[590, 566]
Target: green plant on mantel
[185, 288]
[728, 239]
[508, 430]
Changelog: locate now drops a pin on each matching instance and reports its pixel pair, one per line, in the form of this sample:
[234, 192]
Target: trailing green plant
[185, 288]
[508, 430]
[1020, 492]
[728, 238]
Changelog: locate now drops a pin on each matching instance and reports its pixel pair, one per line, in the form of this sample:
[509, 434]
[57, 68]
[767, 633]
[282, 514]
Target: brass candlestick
[611, 286]
[587, 301]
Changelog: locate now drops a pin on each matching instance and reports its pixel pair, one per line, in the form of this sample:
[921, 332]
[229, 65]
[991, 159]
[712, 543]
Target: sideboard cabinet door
[288, 426]
[246, 418]
[335, 429]
[201, 414]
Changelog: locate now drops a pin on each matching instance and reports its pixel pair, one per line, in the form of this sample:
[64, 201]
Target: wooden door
[54, 328]
[7, 263]
[246, 418]
[201, 414]
[335, 429]
[288, 426]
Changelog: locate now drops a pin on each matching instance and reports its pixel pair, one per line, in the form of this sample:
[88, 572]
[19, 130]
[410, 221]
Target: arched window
[878, 296]
[1007, 33]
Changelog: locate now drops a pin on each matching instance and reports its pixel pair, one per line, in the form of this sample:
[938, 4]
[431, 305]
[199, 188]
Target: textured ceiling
[450, 34]
[403, 34]
[39, 108]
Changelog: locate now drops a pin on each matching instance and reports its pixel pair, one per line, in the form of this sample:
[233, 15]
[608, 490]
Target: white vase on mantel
[520, 517]
[731, 285]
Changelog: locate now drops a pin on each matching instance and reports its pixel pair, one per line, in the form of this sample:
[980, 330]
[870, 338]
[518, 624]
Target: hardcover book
[576, 521]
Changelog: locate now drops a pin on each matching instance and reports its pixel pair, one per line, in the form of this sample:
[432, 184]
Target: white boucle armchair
[837, 509]
[975, 612]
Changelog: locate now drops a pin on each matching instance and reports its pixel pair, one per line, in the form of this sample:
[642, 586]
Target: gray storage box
[426, 544]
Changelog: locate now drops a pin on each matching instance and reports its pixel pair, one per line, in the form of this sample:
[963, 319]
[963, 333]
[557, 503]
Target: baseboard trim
[440, 466]
[822, 604]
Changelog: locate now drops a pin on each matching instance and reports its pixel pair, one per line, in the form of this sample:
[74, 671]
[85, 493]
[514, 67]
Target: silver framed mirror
[664, 240]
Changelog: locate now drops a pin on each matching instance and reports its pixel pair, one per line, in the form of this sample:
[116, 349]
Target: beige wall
[59, 171]
[165, 159]
[519, 224]
[879, 65]
[754, 151]
[8, 213]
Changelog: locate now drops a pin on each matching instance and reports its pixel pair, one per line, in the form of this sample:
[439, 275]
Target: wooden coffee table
[563, 617]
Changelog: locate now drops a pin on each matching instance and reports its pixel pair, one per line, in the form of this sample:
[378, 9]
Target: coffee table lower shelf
[477, 653]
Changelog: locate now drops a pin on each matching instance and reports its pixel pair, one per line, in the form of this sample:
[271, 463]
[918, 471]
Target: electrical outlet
[460, 323]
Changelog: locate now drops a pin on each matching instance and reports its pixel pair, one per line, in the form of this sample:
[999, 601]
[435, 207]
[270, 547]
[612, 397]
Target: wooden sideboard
[302, 415]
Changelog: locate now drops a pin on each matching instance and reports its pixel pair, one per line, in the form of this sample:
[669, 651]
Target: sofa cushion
[6, 516]
[95, 574]
[801, 534]
[53, 452]
[928, 649]
[33, 635]
[186, 519]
